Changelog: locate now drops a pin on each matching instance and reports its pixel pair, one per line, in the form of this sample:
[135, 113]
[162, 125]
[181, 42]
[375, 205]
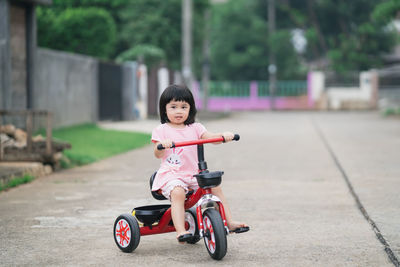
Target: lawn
[91, 143]
[16, 181]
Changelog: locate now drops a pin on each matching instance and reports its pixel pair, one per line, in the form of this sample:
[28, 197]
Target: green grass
[17, 181]
[391, 111]
[91, 143]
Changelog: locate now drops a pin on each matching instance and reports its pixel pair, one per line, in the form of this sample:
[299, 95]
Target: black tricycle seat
[157, 195]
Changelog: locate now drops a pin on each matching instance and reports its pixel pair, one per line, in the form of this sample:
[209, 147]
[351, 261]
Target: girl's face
[177, 112]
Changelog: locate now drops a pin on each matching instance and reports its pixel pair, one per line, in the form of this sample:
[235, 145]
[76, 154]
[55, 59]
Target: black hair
[177, 93]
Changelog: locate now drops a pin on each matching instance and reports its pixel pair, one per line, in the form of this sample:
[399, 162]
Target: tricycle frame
[200, 197]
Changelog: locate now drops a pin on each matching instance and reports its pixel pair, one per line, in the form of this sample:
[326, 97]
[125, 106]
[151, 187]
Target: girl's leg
[178, 209]
[232, 225]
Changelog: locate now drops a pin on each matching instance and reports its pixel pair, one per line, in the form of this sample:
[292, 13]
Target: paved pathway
[286, 178]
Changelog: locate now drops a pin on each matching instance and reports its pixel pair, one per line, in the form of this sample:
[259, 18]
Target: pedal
[240, 230]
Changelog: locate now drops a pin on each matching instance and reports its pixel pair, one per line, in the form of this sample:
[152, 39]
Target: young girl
[175, 176]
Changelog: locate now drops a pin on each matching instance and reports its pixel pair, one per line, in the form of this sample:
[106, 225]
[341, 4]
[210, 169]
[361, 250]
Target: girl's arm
[228, 136]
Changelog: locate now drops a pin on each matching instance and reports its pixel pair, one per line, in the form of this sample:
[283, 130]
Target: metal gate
[389, 86]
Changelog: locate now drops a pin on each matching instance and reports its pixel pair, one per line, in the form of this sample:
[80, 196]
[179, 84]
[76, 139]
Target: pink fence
[254, 101]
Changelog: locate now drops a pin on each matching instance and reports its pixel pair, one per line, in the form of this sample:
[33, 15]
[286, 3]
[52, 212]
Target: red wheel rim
[123, 233]
[190, 224]
[210, 240]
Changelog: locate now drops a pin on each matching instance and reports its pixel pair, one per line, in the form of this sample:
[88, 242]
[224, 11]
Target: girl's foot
[236, 227]
[183, 237]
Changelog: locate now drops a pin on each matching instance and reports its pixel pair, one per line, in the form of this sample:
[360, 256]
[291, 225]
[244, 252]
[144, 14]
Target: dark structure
[17, 52]
[110, 91]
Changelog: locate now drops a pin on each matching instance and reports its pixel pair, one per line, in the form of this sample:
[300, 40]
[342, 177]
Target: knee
[178, 194]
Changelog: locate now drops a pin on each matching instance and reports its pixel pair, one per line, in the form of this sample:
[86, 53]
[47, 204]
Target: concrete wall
[129, 91]
[362, 97]
[142, 90]
[66, 84]
[349, 98]
[5, 59]
[18, 51]
[17, 43]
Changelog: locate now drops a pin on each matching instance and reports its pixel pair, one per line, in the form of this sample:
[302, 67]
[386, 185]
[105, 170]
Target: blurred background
[90, 60]
[79, 62]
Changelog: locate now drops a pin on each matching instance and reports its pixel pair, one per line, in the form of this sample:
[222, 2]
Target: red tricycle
[204, 212]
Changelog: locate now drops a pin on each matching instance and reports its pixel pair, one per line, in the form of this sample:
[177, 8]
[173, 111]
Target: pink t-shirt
[179, 162]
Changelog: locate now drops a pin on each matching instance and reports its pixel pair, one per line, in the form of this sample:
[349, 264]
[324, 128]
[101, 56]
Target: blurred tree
[240, 44]
[386, 11]
[158, 23]
[89, 31]
[353, 35]
[149, 54]
[48, 15]
[349, 35]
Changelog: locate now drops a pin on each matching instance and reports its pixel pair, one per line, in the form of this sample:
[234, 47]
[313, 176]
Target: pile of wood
[17, 145]
[12, 136]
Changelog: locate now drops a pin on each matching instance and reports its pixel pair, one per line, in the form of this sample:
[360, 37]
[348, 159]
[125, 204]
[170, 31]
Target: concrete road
[295, 178]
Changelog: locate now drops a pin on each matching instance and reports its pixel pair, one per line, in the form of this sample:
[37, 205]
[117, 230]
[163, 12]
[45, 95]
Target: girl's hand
[166, 143]
[228, 136]
[160, 153]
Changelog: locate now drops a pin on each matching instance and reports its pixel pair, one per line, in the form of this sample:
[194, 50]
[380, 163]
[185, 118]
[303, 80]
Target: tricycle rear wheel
[193, 228]
[126, 233]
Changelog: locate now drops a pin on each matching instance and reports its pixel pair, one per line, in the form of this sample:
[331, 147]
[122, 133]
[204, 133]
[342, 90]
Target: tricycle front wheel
[214, 234]
[126, 233]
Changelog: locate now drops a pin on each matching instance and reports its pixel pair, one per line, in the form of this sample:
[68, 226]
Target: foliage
[352, 34]
[158, 23]
[386, 11]
[240, 44]
[17, 181]
[46, 17]
[344, 35]
[89, 31]
[138, 22]
[149, 54]
[392, 112]
[90, 143]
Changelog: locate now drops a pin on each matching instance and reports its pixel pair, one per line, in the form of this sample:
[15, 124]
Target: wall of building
[18, 50]
[129, 91]
[361, 97]
[66, 84]
[5, 62]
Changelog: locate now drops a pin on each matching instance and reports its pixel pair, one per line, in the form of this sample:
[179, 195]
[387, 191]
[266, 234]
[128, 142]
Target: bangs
[178, 94]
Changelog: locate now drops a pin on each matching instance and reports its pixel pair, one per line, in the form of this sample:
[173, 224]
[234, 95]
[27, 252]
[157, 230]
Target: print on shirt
[174, 160]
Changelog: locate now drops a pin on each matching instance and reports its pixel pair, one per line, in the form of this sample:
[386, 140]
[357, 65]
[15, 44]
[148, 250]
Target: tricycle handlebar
[199, 142]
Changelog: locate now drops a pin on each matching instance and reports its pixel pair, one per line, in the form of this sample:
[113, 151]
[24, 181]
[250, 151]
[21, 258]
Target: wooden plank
[23, 157]
[1, 147]
[22, 112]
[29, 123]
[49, 134]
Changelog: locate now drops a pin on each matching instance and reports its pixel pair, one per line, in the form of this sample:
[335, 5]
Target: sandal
[240, 230]
[185, 237]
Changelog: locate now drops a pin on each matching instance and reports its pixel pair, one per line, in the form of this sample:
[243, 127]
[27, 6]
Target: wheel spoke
[210, 241]
[123, 232]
